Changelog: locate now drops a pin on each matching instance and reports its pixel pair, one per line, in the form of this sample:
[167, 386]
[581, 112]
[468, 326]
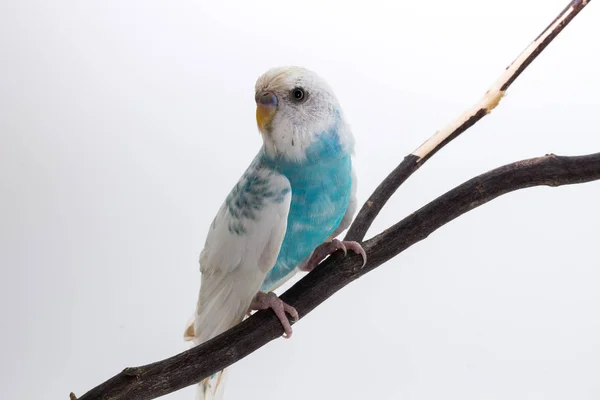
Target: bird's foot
[263, 301]
[327, 248]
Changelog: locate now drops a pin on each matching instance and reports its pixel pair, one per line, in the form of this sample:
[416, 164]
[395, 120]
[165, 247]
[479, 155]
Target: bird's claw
[263, 301]
[328, 248]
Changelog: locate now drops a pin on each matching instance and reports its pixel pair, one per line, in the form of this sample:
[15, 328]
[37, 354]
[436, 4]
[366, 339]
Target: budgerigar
[284, 213]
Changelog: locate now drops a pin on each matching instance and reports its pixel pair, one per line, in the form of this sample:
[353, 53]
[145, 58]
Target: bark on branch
[166, 376]
[157, 379]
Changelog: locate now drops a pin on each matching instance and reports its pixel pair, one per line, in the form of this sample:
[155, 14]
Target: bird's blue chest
[321, 190]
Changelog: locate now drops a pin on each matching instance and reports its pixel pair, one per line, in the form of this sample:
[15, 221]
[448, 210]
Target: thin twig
[488, 102]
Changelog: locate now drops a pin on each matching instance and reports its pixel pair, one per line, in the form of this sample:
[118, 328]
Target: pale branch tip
[189, 367]
[484, 106]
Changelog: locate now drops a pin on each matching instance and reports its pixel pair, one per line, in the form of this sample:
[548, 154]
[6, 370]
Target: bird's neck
[325, 147]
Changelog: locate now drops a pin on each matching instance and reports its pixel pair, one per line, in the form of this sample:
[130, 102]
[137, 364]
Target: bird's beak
[266, 106]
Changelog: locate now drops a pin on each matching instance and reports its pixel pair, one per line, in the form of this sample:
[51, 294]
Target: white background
[124, 124]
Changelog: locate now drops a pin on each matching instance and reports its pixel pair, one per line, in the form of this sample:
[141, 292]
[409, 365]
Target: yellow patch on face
[264, 116]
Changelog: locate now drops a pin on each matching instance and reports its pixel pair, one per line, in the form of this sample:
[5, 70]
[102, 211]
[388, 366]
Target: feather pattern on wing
[242, 245]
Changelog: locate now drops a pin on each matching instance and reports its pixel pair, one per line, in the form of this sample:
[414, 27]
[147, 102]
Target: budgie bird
[283, 214]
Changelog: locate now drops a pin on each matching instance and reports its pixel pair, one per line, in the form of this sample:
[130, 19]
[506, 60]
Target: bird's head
[294, 106]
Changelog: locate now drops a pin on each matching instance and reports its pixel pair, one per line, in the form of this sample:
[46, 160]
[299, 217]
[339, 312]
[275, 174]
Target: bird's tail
[212, 388]
[219, 308]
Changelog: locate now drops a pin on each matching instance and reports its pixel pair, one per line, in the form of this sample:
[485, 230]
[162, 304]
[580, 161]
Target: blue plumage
[321, 189]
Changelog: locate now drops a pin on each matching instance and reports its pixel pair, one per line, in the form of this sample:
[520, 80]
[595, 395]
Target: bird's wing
[241, 247]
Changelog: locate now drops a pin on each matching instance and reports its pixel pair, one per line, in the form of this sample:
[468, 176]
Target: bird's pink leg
[328, 248]
[263, 301]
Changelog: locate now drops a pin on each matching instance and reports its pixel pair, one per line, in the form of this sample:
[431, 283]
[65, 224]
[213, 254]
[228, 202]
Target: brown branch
[163, 377]
[490, 100]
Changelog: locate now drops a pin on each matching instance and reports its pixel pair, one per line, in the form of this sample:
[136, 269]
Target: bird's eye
[298, 95]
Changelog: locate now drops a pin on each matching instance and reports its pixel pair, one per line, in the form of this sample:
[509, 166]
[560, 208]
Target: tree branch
[189, 367]
[163, 377]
